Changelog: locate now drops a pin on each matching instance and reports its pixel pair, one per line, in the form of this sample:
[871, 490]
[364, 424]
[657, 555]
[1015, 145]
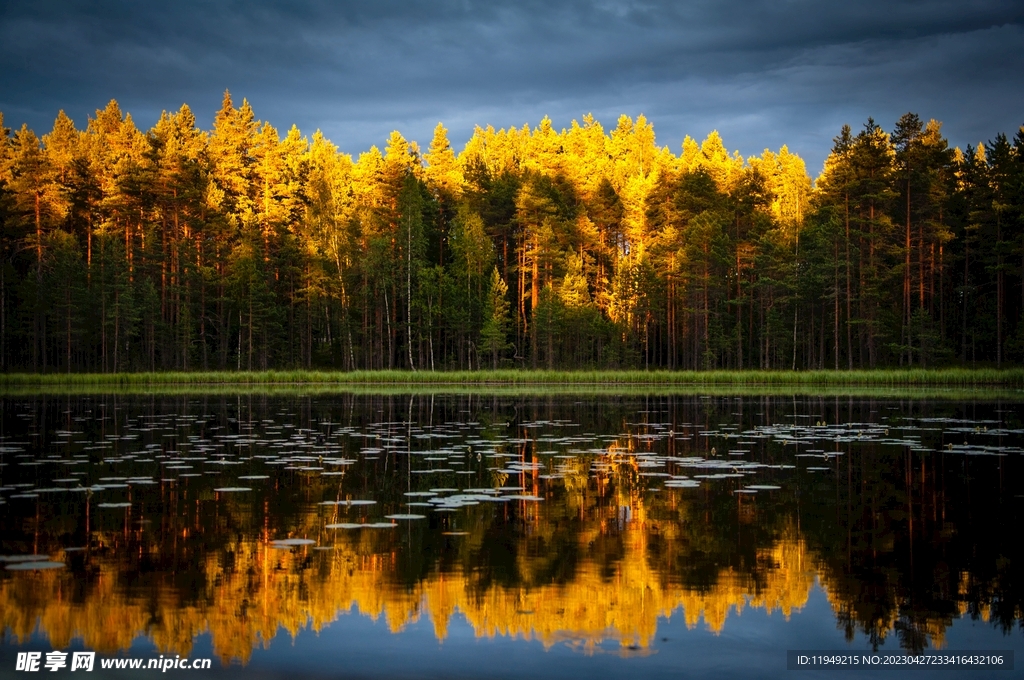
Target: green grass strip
[948, 377]
[978, 393]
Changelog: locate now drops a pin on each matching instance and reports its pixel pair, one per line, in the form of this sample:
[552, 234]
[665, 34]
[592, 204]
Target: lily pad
[33, 566]
[292, 542]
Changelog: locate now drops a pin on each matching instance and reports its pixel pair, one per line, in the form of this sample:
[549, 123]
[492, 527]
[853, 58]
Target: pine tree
[246, 248]
[494, 336]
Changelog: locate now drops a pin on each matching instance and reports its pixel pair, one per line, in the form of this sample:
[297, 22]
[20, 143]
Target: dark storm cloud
[763, 73]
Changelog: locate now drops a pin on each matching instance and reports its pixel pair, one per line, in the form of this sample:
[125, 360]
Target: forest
[240, 248]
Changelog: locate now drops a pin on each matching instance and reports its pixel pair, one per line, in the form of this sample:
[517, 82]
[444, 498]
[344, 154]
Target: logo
[55, 661]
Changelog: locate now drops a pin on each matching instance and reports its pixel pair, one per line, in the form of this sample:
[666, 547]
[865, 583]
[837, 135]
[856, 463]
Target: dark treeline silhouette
[238, 248]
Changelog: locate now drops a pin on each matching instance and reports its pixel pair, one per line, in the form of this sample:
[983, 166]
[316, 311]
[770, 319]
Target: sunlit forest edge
[244, 249]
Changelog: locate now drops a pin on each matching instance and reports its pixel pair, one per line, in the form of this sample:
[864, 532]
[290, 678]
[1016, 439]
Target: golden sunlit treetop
[685, 260]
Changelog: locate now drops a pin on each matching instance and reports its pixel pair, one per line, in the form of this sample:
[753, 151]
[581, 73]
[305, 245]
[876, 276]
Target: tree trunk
[408, 292]
[387, 321]
[67, 299]
[999, 291]
[966, 291]
[872, 308]
[39, 341]
[835, 288]
[849, 331]
[248, 354]
[942, 294]
[907, 341]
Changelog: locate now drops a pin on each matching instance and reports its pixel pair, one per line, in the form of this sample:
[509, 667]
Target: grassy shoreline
[979, 393]
[945, 377]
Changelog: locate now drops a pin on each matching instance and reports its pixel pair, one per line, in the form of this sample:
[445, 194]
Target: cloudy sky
[762, 72]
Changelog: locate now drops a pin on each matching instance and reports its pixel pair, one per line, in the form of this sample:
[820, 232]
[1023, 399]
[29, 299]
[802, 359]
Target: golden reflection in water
[601, 563]
[247, 598]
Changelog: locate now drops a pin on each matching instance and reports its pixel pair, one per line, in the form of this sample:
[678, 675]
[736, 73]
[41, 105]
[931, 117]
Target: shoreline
[880, 378]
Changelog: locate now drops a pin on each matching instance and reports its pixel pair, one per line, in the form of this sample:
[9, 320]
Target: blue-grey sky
[762, 72]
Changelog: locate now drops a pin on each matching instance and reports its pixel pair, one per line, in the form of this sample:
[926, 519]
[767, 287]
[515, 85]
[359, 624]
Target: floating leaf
[33, 566]
[291, 542]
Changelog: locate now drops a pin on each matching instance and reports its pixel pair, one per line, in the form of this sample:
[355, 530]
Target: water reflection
[563, 520]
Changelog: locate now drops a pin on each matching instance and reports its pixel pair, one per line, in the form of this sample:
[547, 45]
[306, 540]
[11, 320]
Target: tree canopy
[243, 247]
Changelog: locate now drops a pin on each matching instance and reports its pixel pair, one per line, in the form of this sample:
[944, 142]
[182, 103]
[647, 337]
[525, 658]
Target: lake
[509, 535]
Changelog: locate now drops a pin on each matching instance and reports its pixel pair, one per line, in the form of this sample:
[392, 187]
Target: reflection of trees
[584, 572]
[902, 543]
[908, 542]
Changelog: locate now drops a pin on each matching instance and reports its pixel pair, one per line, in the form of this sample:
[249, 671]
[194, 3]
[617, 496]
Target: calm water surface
[508, 536]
